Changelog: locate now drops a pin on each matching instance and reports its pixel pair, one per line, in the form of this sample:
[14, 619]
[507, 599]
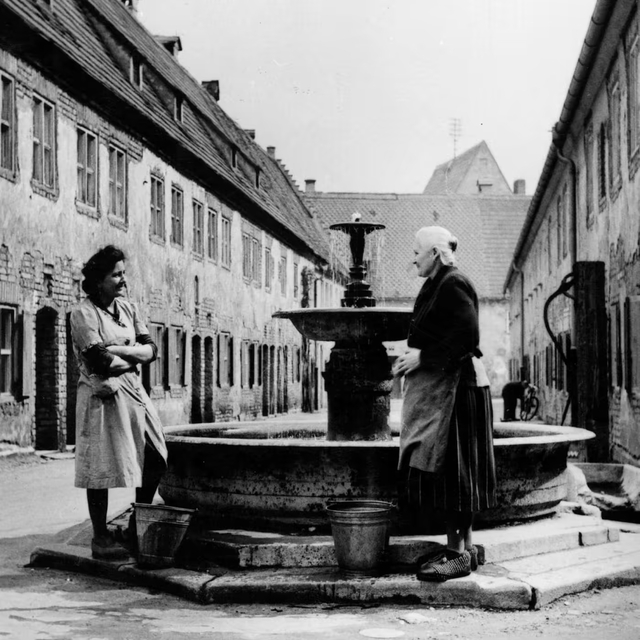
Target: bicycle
[530, 404]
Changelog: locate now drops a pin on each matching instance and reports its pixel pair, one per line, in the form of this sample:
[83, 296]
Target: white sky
[360, 94]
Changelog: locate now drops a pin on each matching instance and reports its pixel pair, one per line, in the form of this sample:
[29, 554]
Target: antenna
[455, 131]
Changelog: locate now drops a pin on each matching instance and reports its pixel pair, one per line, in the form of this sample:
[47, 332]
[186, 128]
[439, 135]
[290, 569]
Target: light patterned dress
[111, 432]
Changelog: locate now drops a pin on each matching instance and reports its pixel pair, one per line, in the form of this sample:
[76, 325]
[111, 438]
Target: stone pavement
[525, 567]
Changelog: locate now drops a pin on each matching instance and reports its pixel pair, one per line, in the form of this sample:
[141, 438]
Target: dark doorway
[47, 388]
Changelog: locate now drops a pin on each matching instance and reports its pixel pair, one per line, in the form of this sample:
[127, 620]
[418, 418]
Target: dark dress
[446, 440]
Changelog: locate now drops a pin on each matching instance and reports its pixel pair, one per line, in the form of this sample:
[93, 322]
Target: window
[245, 364]
[156, 369]
[87, 167]
[7, 123]
[225, 248]
[177, 345]
[616, 346]
[234, 158]
[633, 107]
[225, 360]
[549, 243]
[559, 215]
[246, 256]
[632, 342]
[177, 215]
[8, 351]
[565, 221]
[588, 163]
[117, 182]
[268, 269]
[212, 235]
[252, 364]
[257, 178]
[256, 262]
[157, 207]
[178, 108]
[602, 164]
[295, 279]
[282, 275]
[615, 110]
[198, 228]
[137, 72]
[44, 142]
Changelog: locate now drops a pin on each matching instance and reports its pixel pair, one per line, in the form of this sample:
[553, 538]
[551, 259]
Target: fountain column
[358, 382]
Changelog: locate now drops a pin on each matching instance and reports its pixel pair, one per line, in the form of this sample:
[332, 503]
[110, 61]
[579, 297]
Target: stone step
[260, 550]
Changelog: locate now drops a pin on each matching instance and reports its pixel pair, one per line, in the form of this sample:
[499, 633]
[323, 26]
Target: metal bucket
[160, 530]
[360, 531]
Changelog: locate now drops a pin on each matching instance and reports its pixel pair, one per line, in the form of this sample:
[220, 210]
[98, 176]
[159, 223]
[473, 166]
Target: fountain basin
[276, 477]
[350, 324]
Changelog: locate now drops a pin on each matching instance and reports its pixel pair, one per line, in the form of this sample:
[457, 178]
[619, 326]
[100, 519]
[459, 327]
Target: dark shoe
[435, 555]
[473, 553]
[108, 549]
[457, 565]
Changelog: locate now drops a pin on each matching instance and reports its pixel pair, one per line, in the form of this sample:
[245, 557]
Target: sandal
[108, 549]
[456, 565]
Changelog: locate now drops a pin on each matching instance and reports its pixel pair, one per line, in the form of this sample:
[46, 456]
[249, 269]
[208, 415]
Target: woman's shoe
[434, 556]
[107, 549]
[456, 565]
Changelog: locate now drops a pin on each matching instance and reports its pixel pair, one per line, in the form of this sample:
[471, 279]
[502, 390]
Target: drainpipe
[519, 271]
[574, 194]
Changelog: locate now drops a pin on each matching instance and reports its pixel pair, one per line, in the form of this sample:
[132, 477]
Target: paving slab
[508, 581]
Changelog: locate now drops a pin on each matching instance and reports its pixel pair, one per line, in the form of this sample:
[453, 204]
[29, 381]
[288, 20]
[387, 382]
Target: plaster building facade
[578, 255]
[105, 139]
[467, 195]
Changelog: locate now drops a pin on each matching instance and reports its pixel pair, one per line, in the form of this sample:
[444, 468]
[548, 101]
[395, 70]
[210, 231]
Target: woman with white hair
[446, 463]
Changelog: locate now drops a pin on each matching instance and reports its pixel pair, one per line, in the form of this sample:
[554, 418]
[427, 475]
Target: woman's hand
[135, 354]
[406, 363]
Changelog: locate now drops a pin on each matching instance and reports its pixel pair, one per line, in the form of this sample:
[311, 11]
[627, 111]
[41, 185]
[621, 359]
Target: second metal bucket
[160, 529]
[360, 530]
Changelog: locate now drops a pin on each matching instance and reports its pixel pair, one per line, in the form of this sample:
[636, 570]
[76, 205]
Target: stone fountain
[281, 476]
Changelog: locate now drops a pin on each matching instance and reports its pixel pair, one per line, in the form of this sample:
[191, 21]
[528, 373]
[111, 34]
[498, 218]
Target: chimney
[519, 187]
[172, 44]
[251, 133]
[309, 186]
[271, 152]
[212, 87]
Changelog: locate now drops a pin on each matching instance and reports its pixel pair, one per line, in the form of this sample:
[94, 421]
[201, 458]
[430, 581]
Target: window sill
[197, 256]
[52, 193]
[176, 245]
[87, 210]
[157, 240]
[8, 174]
[176, 391]
[118, 223]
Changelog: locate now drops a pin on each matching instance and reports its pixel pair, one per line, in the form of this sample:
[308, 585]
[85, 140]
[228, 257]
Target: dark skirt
[468, 482]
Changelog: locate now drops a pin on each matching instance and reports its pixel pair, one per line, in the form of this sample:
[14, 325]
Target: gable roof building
[473, 172]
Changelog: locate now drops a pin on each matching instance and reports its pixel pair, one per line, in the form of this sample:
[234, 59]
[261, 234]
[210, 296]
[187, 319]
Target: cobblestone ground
[37, 501]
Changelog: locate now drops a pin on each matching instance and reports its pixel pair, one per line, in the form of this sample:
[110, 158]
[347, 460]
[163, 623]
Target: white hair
[442, 240]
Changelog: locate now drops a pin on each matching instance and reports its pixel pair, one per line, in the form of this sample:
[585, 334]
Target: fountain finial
[358, 291]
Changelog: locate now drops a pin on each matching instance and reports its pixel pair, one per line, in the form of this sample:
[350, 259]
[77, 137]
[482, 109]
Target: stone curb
[485, 588]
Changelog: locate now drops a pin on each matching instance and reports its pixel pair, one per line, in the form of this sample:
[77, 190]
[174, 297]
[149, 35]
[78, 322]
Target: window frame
[8, 122]
[87, 174]
[198, 227]
[177, 216]
[9, 352]
[225, 242]
[212, 234]
[44, 142]
[118, 182]
[157, 207]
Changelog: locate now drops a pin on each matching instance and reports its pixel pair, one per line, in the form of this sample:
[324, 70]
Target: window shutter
[25, 354]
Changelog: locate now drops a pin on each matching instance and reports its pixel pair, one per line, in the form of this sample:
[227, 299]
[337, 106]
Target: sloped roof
[448, 177]
[86, 44]
[487, 228]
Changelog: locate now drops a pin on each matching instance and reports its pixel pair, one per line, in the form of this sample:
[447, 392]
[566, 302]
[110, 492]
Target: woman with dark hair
[446, 461]
[119, 438]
